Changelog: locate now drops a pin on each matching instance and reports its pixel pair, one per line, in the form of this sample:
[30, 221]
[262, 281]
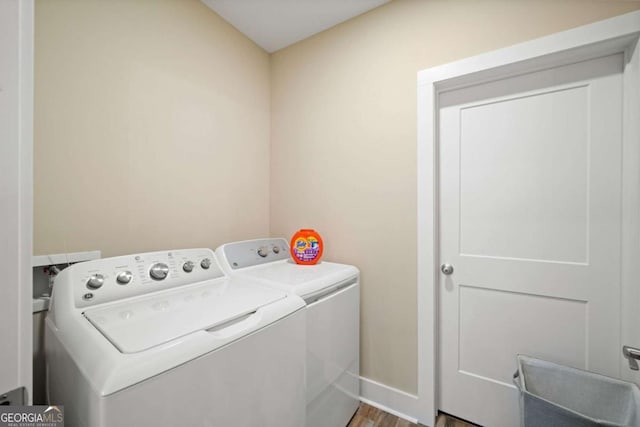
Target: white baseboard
[389, 399]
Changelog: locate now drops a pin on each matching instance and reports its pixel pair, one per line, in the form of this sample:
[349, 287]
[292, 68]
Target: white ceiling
[274, 24]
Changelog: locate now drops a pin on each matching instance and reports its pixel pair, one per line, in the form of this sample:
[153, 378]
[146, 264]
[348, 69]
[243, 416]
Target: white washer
[166, 339]
[332, 294]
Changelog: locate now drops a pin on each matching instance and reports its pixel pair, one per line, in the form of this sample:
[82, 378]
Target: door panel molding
[612, 36]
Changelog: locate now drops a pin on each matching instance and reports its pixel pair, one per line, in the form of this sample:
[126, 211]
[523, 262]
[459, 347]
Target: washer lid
[302, 280]
[145, 322]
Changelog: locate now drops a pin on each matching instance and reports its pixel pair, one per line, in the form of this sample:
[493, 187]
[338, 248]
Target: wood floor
[368, 416]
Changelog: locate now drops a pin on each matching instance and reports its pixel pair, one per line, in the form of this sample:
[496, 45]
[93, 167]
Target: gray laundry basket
[553, 395]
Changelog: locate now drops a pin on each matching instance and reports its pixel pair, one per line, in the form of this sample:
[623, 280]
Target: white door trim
[16, 172]
[615, 35]
[25, 192]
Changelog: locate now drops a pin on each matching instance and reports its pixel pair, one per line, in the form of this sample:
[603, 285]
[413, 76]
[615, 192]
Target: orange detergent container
[306, 247]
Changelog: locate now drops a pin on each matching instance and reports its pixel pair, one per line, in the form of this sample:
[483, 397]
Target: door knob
[446, 269]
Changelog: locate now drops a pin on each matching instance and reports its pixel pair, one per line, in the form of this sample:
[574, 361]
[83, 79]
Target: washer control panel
[111, 279]
[255, 252]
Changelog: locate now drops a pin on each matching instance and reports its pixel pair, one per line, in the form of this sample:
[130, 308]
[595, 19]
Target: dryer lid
[145, 322]
[302, 280]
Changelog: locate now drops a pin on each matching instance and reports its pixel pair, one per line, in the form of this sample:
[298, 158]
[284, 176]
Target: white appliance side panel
[256, 381]
[333, 355]
[65, 385]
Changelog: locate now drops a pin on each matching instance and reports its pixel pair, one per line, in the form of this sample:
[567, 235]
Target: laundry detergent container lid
[560, 396]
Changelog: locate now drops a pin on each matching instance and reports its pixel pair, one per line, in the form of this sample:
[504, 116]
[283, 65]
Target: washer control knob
[95, 282]
[205, 263]
[276, 249]
[159, 271]
[263, 251]
[124, 277]
[188, 266]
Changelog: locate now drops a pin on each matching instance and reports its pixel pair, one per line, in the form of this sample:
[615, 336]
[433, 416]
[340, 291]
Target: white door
[530, 221]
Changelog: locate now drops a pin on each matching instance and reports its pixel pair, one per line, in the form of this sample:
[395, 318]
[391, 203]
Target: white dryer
[167, 339]
[332, 294]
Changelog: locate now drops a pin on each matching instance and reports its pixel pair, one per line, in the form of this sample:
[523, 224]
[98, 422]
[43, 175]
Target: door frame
[15, 259]
[620, 34]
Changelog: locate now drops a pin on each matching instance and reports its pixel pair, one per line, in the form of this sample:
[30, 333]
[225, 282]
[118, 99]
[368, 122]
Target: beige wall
[343, 142]
[151, 127]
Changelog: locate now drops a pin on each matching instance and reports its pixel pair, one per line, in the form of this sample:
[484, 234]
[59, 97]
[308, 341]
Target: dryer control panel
[111, 279]
[254, 252]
